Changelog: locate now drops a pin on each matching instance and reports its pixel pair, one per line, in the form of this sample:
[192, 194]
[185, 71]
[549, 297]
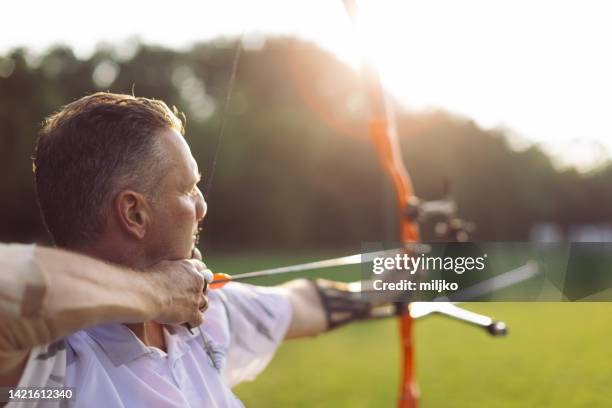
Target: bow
[383, 132]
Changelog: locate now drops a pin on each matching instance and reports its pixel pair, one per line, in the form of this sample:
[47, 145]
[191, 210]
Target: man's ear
[133, 213]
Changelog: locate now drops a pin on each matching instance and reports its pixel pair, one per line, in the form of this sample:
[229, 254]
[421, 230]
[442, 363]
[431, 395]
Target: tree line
[295, 167]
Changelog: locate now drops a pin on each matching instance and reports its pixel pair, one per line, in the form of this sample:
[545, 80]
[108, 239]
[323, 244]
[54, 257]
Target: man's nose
[201, 206]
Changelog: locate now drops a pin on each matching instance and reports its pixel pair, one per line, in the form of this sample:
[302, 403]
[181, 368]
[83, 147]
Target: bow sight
[449, 227]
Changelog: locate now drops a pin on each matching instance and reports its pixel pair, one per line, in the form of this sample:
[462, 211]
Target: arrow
[221, 279]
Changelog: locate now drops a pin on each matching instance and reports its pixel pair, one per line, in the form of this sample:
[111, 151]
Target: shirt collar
[122, 346]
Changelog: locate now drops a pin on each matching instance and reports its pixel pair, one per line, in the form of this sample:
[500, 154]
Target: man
[116, 180]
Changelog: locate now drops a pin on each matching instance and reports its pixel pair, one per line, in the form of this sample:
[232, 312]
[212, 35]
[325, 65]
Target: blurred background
[505, 107]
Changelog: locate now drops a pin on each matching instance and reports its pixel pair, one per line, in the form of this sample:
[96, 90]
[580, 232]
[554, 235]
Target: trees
[286, 176]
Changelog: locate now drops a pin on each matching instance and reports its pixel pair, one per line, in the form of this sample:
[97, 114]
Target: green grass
[556, 355]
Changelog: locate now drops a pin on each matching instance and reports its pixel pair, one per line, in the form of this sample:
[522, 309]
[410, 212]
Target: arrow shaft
[309, 266]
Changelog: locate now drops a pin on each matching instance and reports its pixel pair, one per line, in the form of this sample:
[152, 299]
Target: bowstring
[226, 104]
[220, 133]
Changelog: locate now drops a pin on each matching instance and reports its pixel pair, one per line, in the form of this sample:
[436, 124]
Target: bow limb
[383, 132]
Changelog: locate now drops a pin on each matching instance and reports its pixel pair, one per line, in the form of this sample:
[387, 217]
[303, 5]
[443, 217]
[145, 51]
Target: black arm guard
[341, 305]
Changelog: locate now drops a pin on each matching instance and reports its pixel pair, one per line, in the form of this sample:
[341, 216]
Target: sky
[538, 69]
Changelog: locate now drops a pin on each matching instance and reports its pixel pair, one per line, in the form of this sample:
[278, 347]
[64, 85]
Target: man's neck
[117, 254]
[150, 333]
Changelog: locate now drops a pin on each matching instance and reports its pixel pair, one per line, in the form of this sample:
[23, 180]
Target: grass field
[556, 355]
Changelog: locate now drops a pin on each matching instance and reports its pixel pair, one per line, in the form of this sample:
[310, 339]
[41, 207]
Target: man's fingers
[198, 317]
[203, 303]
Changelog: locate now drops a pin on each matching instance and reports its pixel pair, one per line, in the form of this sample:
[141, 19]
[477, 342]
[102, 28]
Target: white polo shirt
[108, 366]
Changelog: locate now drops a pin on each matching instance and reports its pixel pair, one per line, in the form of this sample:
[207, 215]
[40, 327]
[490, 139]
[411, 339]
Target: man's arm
[308, 314]
[47, 294]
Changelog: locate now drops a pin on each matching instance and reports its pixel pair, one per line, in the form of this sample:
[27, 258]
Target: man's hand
[184, 284]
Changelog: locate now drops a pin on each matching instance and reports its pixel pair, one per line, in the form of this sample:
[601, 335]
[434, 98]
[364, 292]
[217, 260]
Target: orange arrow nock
[219, 280]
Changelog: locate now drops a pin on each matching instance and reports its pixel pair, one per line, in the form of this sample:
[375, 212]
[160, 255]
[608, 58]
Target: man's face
[179, 205]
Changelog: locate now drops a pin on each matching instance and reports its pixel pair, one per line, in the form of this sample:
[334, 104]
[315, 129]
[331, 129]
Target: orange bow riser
[383, 133]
